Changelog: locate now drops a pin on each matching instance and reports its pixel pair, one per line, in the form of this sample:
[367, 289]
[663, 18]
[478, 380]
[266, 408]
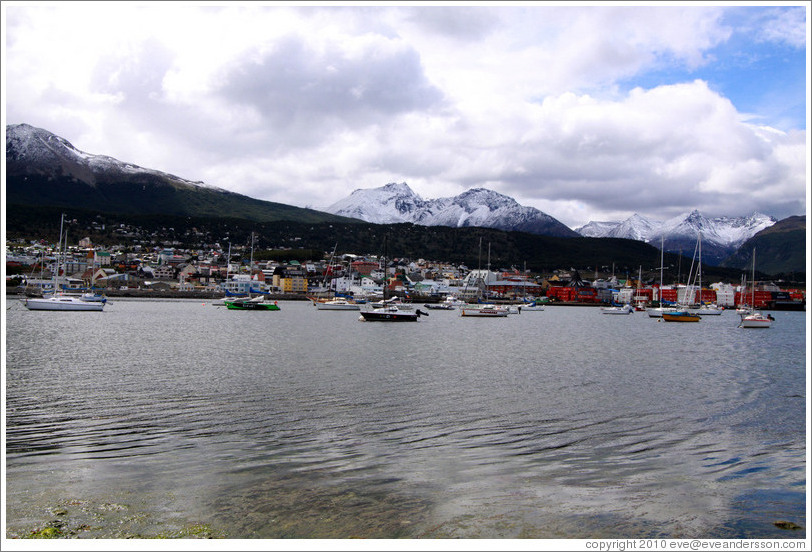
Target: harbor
[179, 418]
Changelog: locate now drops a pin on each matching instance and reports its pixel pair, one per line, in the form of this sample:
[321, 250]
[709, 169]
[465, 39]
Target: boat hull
[371, 316]
[680, 317]
[322, 306]
[391, 314]
[756, 321]
[490, 312]
[248, 305]
[63, 304]
[709, 311]
[617, 310]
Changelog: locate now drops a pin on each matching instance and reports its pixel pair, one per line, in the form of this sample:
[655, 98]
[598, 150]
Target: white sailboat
[753, 318]
[333, 303]
[58, 301]
[703, 309]
[657, 312]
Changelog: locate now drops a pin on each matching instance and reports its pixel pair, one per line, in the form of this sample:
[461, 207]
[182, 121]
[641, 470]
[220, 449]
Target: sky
[586, 111]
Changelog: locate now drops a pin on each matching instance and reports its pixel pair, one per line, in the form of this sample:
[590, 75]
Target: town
[136, 270]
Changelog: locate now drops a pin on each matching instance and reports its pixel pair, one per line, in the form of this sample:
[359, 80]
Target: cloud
[585, 113]
[661, 151]
[308, 93]
[786, 26]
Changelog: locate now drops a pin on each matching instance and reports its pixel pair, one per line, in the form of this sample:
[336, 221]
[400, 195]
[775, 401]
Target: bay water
[182, 418]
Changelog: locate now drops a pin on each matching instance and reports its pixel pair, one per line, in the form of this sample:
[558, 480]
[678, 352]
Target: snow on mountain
[597, 229]
[721, 236]
[41, 149]
[636, 227]
[388, 204]
[394, 203]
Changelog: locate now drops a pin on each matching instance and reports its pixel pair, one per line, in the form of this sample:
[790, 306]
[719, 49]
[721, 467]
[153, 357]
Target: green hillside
[150, 194]
[780, 249]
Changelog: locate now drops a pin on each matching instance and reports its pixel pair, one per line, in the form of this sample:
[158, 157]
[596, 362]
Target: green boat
[257, 303]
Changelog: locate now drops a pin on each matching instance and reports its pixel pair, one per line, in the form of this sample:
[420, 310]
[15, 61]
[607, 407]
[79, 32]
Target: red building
[567, 294]
[364, 268]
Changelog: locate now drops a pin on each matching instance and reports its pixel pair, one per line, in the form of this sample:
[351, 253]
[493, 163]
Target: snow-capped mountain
[388, 204]
[596, 229]
[44, 151]
[43, 169]
[395, 203]
[721, 236]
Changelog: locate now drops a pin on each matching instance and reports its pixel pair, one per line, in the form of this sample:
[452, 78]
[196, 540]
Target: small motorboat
[391, 313]
[257, 303]
[681, 316]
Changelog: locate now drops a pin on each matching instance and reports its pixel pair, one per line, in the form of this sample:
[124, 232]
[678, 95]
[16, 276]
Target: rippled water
[155, 417]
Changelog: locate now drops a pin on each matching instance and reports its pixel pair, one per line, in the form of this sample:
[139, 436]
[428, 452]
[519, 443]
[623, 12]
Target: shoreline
[213, 296]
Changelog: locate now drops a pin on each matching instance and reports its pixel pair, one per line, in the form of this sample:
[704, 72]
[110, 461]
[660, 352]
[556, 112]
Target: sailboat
[389, 311]
[752, 318]
[657, 312]
[482, 307]
[703, 309]
[682, 312]
[58, 301]
[332, 302]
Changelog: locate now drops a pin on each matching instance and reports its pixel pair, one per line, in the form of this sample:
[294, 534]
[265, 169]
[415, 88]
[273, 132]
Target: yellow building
[290, 281]
[293, 284]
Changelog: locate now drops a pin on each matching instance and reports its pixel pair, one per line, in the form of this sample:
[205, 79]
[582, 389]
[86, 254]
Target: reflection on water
[309, 424]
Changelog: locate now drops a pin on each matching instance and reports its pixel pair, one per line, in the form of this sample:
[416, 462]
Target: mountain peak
[720, 236]
[401, 188]
[395, 203]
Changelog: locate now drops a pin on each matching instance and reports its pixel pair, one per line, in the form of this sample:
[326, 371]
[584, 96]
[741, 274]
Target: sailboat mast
[59, 254]
[700, 268]
[753, 300]
[662, 261]
[251, 259]
[385, 272]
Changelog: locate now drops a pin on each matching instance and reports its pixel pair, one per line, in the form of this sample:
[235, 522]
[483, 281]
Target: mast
[331, 292]
[662, 261]
[251, 259]
[385, 272]
[228, 270]
[753, 300]
[699, 270]
[59, 253]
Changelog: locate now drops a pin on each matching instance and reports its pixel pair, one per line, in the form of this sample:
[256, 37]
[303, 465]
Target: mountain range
[720, 236]
[45, 170]
[395, 203]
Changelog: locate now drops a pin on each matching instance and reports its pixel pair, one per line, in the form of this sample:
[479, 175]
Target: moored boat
[753, 318]
[756, 319]
[62, 303]
[439, 306]
[58, 301]
[257, 303]
[657, 312]
[485, 310]
[336, 304]
[391, 314]
[621, 309]
[706, 310]
[681, 316]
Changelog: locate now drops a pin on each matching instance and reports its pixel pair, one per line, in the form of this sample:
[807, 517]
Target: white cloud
[784, 26]
[301, 105]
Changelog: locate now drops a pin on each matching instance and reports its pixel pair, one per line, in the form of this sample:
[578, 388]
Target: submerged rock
[788, 525]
